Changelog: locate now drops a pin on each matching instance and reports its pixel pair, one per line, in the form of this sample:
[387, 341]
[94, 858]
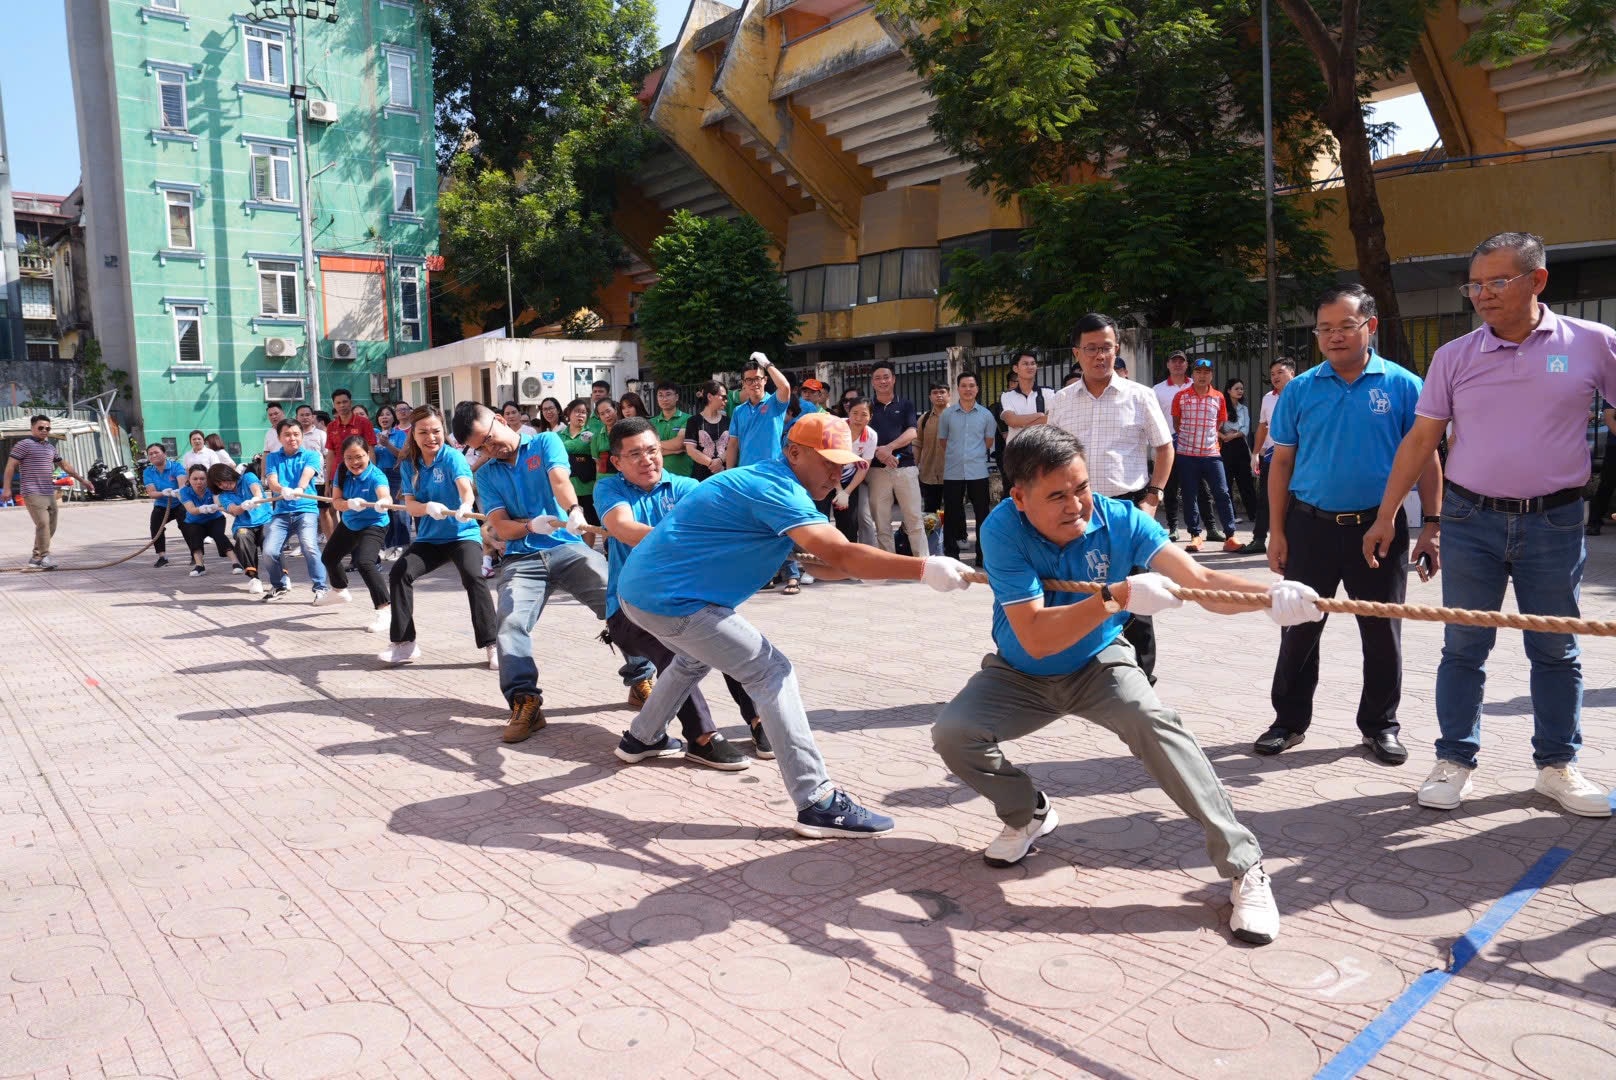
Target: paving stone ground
[231, 845]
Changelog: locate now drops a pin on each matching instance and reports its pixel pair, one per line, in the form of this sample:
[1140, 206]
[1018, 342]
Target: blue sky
[41, 131]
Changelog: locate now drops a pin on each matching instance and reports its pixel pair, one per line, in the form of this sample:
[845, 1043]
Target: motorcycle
[117, 482]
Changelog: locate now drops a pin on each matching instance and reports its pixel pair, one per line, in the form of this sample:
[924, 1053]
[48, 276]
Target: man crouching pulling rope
[1063, 653]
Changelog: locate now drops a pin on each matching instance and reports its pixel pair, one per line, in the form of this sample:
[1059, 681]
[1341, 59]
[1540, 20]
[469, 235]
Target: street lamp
[298, 91]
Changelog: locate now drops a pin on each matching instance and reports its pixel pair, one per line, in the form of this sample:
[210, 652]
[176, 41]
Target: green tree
[1516, 29]
[536, 119]
[717, 298]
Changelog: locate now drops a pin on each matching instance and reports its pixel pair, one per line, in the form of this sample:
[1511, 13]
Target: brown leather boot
[527, 716]
[640, 692]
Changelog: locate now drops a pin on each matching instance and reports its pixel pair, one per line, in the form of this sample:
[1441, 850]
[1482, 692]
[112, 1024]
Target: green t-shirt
[582, 444]
[679, 464]
[602, 444]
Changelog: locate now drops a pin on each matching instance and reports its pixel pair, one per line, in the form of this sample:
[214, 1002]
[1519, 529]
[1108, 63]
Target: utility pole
[1268, 192]
[510, 302]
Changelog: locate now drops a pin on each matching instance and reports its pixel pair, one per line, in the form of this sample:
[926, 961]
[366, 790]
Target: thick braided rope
[96, 566]
[1548, 624]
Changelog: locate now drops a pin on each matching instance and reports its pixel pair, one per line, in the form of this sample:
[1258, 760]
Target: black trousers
[955, 492]
[197, 534]
[364, 545]
[1599, 512]
[419, 560]
[158, 528]
[249, 539]
[1237, 465]
[1259, 530]
[1325, 556]
[1170, 501]
[848, 520]
[931, 497]
[1140, 630]
[695, 718]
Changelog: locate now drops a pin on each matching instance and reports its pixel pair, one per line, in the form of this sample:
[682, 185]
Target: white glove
[359, 504]
[1151, 594]
[1291, 603]
[759, 359]
[463, 514]
[841, 501]
[291, 493]
[436, 511]
[543, 525]
[253, 503]
[172, 493]
[382, 504]
[576, 522]
[945, 574]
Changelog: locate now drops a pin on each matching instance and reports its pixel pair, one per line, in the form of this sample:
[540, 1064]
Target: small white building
[493, 370]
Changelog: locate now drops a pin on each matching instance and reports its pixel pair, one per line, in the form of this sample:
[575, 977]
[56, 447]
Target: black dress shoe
[1275, 740]
[1386, 747]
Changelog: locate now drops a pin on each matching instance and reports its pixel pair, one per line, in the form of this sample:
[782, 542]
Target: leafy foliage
[536, 119]
[718, 296]
[1513, 29]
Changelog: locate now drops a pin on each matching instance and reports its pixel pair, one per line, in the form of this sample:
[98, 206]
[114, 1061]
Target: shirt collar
[1375, 366]
[1097, 525]
[1547, 323]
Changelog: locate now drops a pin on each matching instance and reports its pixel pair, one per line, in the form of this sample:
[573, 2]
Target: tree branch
[1347, 58]
[1316, 35]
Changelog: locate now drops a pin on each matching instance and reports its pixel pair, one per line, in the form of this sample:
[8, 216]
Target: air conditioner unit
[283, 390]
[380, 385]
[344, 350]
[280, 346]
[322, 112]
[529, 389]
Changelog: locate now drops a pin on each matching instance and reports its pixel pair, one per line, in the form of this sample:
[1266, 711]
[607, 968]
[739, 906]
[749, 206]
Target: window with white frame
[409, 302]
[277, 289]
[171, 109]
[181, 221]
[188, 333]
[271, 172]
[164, 5]
[400, 80]
[266, 55]
[403, 187]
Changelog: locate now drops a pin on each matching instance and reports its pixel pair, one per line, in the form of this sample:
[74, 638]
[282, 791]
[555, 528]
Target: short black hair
[1091, 322]
[355, 440]
[962, 376]
[598, 383]
[661, 386]
[301, 406]
[273, 405]
[1036, 451]
[936, 386]
[1355, 291]
[194, 431]
[157, 446]
[510, 405]
[280, 427]
[341, 391]
[883, 365]
[322, 416]
[32, 420]
[466, 415]
[1025, 352]
[626, 429]
[1284, 362]
[751, 365]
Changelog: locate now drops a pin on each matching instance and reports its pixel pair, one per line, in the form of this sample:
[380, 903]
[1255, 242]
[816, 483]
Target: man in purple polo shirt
[1517, 393]
[33, 464]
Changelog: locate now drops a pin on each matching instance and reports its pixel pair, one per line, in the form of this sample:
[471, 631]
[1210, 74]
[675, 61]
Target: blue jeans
[398, 522]
[525, 584]
[1191, 471]
[1544, 552]
[717, 637]
[307, 526]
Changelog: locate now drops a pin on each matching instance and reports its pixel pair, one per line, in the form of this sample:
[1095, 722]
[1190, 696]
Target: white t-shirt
[1165, 393]
[206, 458]
[864, 446]
[1014, 401]
[272, 442]
[1266, 416]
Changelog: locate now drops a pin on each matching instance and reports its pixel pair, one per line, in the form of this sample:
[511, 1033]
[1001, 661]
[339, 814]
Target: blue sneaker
[843, 817]
[634, 751]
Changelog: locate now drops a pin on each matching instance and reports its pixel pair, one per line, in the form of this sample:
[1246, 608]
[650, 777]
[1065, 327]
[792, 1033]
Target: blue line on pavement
[1360, 1051]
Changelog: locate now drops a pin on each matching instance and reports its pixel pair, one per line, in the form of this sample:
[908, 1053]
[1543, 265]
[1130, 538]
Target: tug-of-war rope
[1503, 620]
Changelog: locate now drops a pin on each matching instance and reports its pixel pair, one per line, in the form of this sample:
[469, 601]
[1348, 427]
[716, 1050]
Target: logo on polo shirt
[1558, 365]
[534, 462]
[1099, 564]
[1380, 402]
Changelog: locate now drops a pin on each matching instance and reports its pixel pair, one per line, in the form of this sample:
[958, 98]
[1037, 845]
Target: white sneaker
[1254, 917]
[806, 579]
[1012, 845]
[493, 657]
[327, 597]
[1572, 790]
[47, 563]
[382, 622]
[1447, 786]
[400, 652]
[255, 587]
[236, 570]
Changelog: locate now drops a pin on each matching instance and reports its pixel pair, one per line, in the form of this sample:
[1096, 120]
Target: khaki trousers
[42, 508]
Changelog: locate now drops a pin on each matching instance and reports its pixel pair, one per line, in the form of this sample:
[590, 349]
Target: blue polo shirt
[388, 444]
[364, 486]
[761, 428]
[206, 505]
[1345, 435]
[436, 483]
[249, 519]
[648, 508]
[289, 470]
[1018, 557]
[968, 434]
[521, 488]
[722, 542]
[171, 475]
[807, 407]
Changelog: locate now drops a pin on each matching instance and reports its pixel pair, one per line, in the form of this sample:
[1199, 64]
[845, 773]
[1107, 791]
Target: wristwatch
[1112, 606]
[1156, 491]
[1431, 519]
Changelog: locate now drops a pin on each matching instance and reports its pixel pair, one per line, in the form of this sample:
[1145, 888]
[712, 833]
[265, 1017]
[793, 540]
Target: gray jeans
[1001, 703]
[717, 637]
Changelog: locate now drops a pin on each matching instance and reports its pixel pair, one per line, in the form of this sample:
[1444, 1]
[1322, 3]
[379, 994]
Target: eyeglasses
[753, 382]
[640, 457]
[1325, 332]
[1092, 351]
[1472, 289]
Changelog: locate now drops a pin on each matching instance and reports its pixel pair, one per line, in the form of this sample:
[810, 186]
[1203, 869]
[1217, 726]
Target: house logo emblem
[1099, 564]
[1380, 402]
[1559, 365]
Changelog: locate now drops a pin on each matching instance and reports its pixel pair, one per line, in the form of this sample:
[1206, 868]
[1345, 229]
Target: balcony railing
[34, 264]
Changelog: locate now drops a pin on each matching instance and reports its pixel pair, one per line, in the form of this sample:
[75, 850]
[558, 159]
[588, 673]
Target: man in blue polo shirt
[1336, 429]
[162, 476]
[718, 546]
[290, 473]
[1064, 653]
[756, 433]
[526, 491]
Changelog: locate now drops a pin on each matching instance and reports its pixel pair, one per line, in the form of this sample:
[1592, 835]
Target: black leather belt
[1345, 517]
[1563, 497]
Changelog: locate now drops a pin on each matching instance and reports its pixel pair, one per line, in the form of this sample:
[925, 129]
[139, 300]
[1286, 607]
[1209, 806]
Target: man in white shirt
[1026, 403]
[1121, 426]
[272, 441]
[1177, 381]
[1280, 372]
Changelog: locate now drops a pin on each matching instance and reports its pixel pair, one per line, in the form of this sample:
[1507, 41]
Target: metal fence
[82, 450]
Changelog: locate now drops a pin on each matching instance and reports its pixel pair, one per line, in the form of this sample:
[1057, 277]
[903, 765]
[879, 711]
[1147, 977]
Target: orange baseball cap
[827, 434]
[812, 384]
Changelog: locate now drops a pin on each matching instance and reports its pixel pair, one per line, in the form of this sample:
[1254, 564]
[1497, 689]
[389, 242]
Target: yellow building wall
[901, 218]
[816, 239]
[894, 317]
[962, 210]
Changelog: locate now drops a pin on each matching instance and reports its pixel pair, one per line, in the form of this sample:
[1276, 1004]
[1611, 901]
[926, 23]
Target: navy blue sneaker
[634, 751]
[843, 817]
